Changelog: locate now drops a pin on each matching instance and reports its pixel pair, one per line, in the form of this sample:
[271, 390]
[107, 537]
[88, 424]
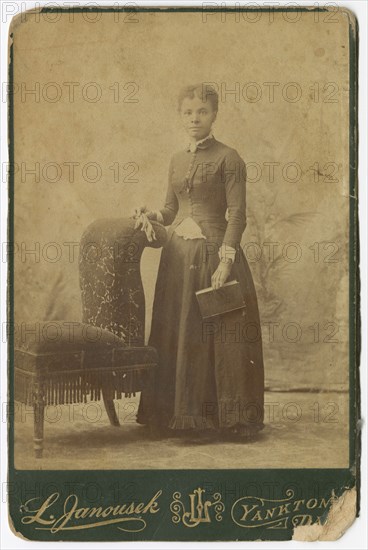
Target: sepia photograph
[183, 246]
[139, 184]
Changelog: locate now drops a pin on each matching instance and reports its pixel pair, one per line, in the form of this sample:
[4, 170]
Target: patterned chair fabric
[110, 277]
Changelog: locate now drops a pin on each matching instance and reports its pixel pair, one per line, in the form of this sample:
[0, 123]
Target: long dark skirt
[210, 372]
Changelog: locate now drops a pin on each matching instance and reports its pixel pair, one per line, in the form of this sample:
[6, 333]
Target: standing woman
[210, 374]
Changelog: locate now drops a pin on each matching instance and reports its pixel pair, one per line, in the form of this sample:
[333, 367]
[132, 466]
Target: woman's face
[197, 116]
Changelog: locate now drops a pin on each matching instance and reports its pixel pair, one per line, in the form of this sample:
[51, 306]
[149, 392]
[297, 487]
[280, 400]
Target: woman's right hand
[142, 217]
[138, 210]
[151, 215]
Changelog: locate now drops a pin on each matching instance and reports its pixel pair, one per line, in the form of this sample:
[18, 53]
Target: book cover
[214, 302]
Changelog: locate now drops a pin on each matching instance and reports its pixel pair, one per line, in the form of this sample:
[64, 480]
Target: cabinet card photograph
[183, 337]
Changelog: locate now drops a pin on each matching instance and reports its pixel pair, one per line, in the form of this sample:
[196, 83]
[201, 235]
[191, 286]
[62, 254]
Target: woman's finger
[214, 279]
[218, 278]
[138, 210]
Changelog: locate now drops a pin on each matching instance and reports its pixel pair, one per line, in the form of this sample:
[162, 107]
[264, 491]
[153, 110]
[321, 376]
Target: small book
[214, 302]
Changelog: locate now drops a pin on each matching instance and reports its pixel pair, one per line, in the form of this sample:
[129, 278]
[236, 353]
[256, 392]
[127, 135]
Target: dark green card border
[117, 486]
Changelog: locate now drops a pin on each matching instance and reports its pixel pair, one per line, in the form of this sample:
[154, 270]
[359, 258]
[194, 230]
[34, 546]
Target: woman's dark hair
[203, 91]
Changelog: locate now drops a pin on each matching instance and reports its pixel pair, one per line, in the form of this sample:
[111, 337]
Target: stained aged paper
[95, 124]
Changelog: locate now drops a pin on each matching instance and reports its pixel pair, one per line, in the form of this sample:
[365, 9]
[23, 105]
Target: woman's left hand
[221, 274]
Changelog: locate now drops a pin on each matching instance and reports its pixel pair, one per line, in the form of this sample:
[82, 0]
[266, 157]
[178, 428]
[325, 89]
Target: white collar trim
[192, 147]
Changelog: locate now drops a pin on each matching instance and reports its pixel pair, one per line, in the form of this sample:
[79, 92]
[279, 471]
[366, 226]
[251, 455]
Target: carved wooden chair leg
[38, 422]
[110, 407]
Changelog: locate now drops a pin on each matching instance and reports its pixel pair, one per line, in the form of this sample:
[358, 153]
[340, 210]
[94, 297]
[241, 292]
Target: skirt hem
[186, 422]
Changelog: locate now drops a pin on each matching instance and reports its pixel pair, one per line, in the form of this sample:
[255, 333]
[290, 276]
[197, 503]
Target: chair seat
[70, 360]
[59, 336]
[134, 356]
[58, 345]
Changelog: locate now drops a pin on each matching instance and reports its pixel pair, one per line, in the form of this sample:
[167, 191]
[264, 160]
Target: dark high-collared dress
[211, 371]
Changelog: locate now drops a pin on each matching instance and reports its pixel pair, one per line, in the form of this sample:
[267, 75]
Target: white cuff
[227, 252]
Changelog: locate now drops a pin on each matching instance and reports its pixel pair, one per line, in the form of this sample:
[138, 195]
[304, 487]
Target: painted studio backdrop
[95, 112]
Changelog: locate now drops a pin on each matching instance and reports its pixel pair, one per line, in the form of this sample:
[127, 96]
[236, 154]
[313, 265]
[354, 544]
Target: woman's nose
[195, 119]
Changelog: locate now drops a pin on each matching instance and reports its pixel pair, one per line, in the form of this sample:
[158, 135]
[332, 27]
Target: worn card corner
[340, 517]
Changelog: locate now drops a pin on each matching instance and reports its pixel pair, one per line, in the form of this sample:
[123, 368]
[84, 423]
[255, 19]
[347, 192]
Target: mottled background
[160, 52]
